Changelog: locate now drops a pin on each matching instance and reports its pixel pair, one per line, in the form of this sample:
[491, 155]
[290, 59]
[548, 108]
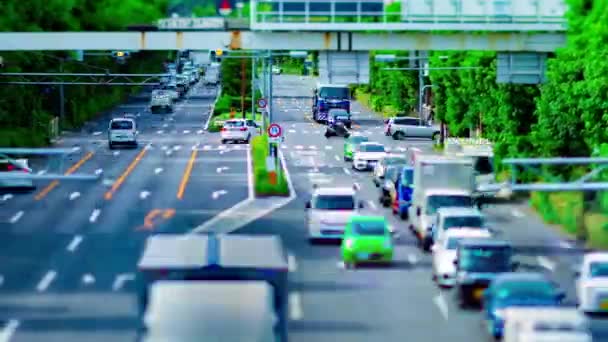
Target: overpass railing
[364, 15]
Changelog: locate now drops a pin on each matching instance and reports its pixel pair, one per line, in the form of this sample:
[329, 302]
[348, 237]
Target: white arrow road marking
[347, 171]
[337, 158]
[312, 147]
[222, 151]
[1, 279]
[88, 279]
[6, 197]
[299, 147]
[177, 147]
[223, 168]
[9, 330]
[517, 213]
[165, 125]
[116, 153]
[292, 263]
[329, 147]
[372, 205]
[160, 131]
[207, 147]
[74, 195]
[97, 133]
[94, 215]
[412, 259]
[121, 279]
[169, 152]
[186, 131]
[41, 172]
[439, 300]
[546, 263]
[292, 131]
[98, 172]
[107, 182]
[144, 194]
[200, 131]
[158, 170]
[164, 147]
[74, 243]
[217, 194]
[295, 306]
[16, 217]
[305, 132]
[46, 281]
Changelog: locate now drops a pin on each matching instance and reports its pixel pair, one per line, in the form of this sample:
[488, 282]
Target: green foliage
[25, 111]
[262, 185]
[208, 9]
[235, 72]
[226, 103]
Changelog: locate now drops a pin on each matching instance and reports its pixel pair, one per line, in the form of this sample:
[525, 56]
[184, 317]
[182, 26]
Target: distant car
[367, 239]
[478, 262]
[277, 70]
[592, 283]
[367, 155]
[122, 131]
[517, 290]
[388, 160]
[16, 166]
[171, 89]
[388, 188]
[161, 101]
[403, 196]
[239, 130]
[329, 211]
[445, 251]
[340, 114]
[409, 127]
[351, 144]
[563, 324]
[448, 218]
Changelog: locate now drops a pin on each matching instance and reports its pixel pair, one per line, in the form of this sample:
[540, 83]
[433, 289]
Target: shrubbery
[263, 187]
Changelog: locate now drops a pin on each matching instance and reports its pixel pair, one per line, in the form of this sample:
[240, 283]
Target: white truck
[481, 151]
[212, 74]
[439, 181]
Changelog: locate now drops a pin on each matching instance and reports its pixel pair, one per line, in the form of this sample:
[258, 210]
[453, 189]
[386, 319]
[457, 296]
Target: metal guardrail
[275, 14]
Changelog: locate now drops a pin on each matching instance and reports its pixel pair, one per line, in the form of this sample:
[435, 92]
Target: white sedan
[445, 250]
[17, 166]
[367, 155]
[592, 283]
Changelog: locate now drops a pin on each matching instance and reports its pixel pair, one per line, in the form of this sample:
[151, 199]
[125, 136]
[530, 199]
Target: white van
[559, 324]
[122, 131]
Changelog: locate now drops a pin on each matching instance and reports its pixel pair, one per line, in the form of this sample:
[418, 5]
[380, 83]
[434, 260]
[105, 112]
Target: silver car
[329, 210]
[410, 127]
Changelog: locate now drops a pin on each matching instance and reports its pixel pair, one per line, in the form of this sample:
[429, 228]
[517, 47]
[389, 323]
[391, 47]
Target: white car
[329, 210]
[388, 160]
[19, 166]
[445, 253]
[122, 131]
[171, 89]
[456, 218]
[276, 70]
[367, 155]
[527, 324]
[239, 130]
[592, 283]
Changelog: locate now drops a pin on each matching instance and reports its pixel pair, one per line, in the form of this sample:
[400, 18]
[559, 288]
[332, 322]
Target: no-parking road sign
[274, 130]
[262, 103]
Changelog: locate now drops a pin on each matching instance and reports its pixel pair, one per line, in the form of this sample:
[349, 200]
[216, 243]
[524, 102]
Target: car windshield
[598, 269]
[334, 92]
[452, 243]
[339, 114]
[395, 161]
[485, 259]
[122, 124]
[370, 228]
[435, 202]
[526, 290]
[371, 148]
[484, 165]
[407, 176]
[334, 202]
[234, 124]
[358, 139]
[463, 221]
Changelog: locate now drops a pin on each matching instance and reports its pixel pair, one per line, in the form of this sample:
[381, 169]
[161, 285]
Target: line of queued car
[467, 254]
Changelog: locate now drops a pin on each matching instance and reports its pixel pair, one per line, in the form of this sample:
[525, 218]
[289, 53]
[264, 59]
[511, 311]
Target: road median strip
[42, 194]
[186, 176]
[263, 186]
[110, 193]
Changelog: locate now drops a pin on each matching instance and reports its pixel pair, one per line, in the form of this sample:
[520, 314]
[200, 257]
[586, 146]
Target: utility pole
[61, 97]
[270, 99]
[420, 86]
[253, 106]
[243, 88]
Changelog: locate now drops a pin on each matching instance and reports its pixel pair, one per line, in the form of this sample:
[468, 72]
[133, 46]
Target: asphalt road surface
[68, 251]
[398, 303]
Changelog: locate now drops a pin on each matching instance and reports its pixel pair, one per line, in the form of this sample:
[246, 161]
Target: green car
[351, 144]
[367, 239]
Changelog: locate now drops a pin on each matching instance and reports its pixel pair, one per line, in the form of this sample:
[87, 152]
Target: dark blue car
[517, 289]
[405, 188]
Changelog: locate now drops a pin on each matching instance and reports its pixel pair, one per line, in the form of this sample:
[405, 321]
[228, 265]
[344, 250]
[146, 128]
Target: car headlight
[349, 243]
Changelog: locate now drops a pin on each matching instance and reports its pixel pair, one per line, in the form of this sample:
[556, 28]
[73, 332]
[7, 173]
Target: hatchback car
[122, 131]
[238, 130]
[367, 239]
[351, 144]
[592, 283]
[367, 155]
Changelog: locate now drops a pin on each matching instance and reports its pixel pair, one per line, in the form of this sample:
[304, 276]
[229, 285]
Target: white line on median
[88, 279]
[295, 306]
[9, 330]
[292, 263]
[16, 217]
[46, 281]
[546, 263]
[74, 243]
[121, 279]
[337, 158]
[517, 213]
[94, 215]
[442, 305]
[347, 171]
[74, 195]
[6, 197]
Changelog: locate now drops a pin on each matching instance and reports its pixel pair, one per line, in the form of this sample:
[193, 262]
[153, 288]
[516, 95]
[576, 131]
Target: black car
[340, 115]
[478, 262]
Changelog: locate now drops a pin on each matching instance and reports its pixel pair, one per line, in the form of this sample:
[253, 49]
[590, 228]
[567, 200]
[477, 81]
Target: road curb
[212, 108]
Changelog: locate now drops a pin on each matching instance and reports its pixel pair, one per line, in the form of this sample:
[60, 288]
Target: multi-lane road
[68, 251]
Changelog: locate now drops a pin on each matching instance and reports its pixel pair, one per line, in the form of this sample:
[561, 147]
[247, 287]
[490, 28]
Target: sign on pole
[275, 131]
[262, 103]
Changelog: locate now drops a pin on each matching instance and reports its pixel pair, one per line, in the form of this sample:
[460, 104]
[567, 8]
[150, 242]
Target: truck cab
[329, 96]
[482, 154]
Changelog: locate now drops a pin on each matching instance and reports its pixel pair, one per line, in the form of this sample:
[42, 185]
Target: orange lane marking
[54, 183]
[121, 179]
[154, 213]
[186, 176]
[169, 213]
